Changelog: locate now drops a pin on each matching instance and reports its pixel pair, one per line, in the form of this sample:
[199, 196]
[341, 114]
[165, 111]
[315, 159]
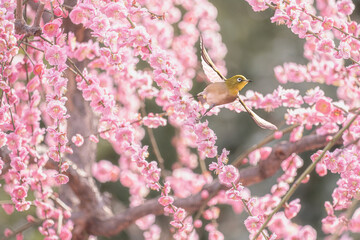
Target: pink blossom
[204, 194]
[64, 166]
[223, 158]
[93, 138]
[254, 157]
[152, 121]
[269, 103]
[57, 11]
[65, 233]
[22, 206]
[321, 169]
[292, 209]
[234, 194]
[216, 235]
[116, 10]
[300, 27]
[353, 28]
[33, 84]
[257, 5]
[280, 189]
[176, 224]
[13, 141]
[152, 172]
[207, 149]
[313, 95]
[139, 37]
[82, 13]
[253, 223]
[337, 115]
[326, 45]
[38, 69]
[100, 24]
[330, 224]
[125, 135]
[328, 23]
[51, 28]
[8, 208]
[354, 44]
[211, 213]
[61, 179]
[280, 17]
[323, 106]
[344, 50]
[17, 164]
[53, 153]
[296, 134]
[345, 6]
[228, 175]
[354, 223]
[19, 236]
[329, 208]
[166, 200]
[7, 232]
[3, 141]
[105, 171]
[198, 223]
[78, 140]
[291, 98]
[278, 134]
[55, 55]
[307, 232]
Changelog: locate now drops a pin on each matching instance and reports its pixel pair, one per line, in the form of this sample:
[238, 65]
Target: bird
[224, 90]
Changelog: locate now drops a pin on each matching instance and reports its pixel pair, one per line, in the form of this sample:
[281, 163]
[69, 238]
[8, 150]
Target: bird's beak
[248, 80]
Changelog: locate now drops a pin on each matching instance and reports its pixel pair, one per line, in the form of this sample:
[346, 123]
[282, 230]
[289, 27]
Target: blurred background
[255, 47]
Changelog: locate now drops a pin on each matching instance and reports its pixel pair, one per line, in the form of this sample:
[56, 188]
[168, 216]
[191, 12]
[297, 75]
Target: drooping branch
[81, 193]
[248, 176]
[99, 220]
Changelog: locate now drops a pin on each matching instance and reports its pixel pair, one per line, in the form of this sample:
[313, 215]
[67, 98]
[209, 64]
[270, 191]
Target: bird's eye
[239, 80]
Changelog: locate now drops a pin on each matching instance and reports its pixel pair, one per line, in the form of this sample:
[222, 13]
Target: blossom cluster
[144, 51]
[330, 39]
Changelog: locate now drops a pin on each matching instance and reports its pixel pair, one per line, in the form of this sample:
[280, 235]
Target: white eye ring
[239, 80]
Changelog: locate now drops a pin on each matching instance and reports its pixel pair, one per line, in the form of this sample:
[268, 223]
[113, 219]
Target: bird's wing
[258, 120]
[212, 73]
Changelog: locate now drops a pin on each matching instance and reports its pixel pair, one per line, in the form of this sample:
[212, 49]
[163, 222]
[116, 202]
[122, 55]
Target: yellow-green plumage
[223, 91]
[219, 93]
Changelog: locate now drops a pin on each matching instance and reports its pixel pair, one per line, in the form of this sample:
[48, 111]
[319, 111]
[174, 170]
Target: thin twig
[308, 170]
[250, 214]
[265, 141]
[28, 56]
[23, 228]
[29, 45]
[154, 145]
[350, 211]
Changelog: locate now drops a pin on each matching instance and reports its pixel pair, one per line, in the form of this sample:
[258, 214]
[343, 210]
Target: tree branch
[20, 25]
[248, 176]
[96, 218]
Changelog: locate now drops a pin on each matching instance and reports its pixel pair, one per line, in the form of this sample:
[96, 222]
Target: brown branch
[39, 13]
[20, 25]
[96, 218]
[248, 176]
[154, 145]
[19, 10]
